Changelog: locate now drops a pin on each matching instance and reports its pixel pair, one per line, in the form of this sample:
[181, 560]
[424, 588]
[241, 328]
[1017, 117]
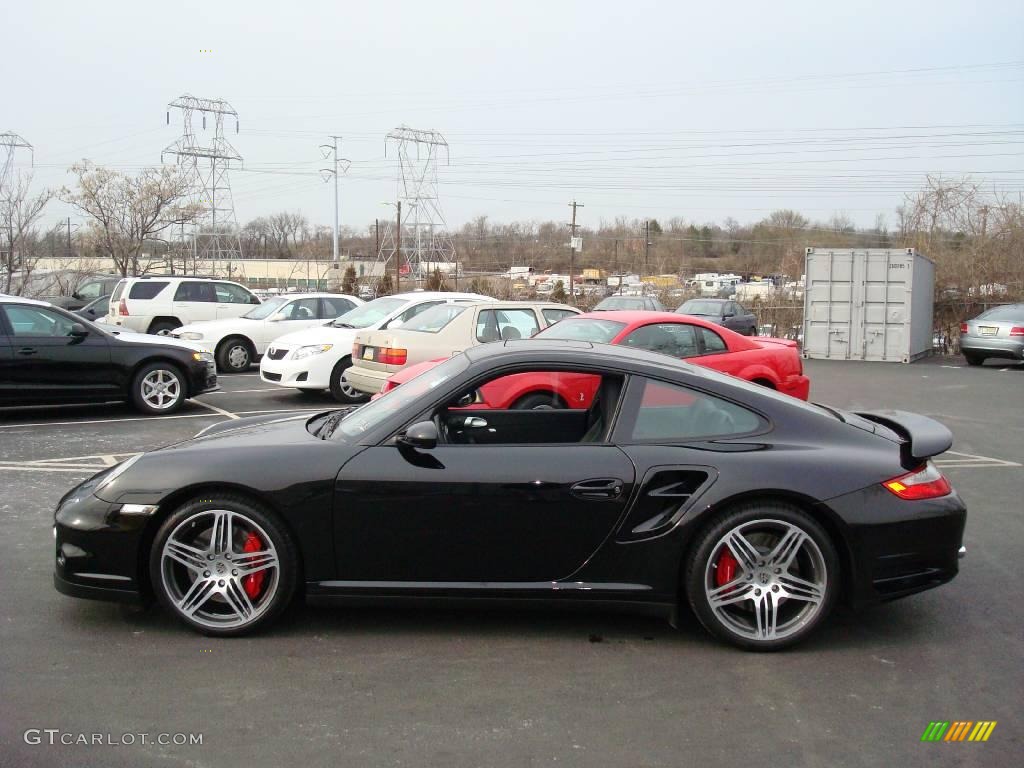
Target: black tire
[753, 520]
[339, 391]
[539, 401]
[235, 355]
[169, 579]
[753, 331]
[145, 396]
[973, 358]
[163, 327]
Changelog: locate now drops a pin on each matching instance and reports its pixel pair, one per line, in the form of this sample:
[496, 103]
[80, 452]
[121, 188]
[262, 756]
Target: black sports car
[673, 483]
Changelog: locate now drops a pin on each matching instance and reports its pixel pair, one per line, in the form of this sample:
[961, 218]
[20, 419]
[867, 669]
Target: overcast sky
[634, 108]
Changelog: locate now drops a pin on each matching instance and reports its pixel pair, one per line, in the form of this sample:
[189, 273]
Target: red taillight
[122, 308]
[357, 350]
[963, 327]
[1017, 330]
[922, 483]
[392, 356]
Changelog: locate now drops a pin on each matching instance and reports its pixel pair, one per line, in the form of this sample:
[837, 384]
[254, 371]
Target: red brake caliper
[253, 583]
[726, 568]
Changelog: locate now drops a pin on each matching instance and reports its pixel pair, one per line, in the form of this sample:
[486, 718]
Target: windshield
[622, 302]
[701, 308]
[369, 314]
[582, 329]
[435, 318]
[266, 309]
[385, 406]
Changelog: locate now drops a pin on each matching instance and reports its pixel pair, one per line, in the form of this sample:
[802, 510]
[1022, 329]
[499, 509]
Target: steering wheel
[442, 427]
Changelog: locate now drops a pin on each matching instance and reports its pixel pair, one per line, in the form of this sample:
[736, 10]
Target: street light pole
[398, 249]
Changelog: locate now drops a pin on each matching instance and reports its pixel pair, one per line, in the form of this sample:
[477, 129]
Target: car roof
[22, 300]
[428, 295]
[644, 317]
[709, 299]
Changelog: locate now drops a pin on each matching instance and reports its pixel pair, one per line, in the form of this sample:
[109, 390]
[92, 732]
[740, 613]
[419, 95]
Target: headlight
[191, 336]
[116, 472]
[313, 349]
[203, 356]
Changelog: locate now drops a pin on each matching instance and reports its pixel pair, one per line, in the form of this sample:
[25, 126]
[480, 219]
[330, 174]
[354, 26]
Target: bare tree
[19, 214]
[284, 227]
[126, 211]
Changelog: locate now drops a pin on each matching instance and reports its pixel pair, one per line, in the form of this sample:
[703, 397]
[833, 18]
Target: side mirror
[422, 435]
[78, 331]
[255, 300]
[396, 323]
[276, 317]
[726, 315]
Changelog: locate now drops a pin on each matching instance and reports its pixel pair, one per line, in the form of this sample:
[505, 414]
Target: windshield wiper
[342, 325]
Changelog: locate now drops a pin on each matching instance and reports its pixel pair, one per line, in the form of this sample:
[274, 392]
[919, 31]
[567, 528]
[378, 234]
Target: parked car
[317, 359]
[50, 356]
[442, 332]
[239, 341]
[87, 292]
[629, 302]
[773, 363]
[678, 485]
[997, 332]
[161, 304]
[724, 312]
[96, 309]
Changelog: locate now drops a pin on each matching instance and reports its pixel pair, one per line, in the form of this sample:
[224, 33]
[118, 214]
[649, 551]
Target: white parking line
[240, 391]
[968, 460]
[215, 409]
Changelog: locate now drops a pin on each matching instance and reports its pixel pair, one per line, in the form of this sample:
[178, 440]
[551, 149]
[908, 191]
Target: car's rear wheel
[223, 565]
[235, 355]
[539, 401]
[163, 327]
[158, 388]
[763, 577]
[341, 390]
[973, 358]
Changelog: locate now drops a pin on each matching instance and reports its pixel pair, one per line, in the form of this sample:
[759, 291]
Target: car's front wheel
[235, 355]
[341, 390]
[223, 565]
[763, 577]
[973, 358]
[158, 389]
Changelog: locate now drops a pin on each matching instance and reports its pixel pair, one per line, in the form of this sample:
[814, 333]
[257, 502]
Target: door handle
[474, 422]
[604, 488]
[27, 351]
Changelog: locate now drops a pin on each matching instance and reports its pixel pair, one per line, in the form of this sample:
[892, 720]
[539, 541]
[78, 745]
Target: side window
[301, 309]
[505, 324]
[118, 290]
[675, 339]
[334, 306]
[36, 321]
[713, 343]
[552, 316]
[90, 291]
[190, 290]
[146, 289]
[231, 294]
[673, 413]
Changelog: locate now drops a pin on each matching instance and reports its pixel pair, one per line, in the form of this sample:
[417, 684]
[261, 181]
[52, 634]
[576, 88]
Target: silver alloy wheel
[349, 391]
[779, 584]
[160, 389]
[203, 567]
[238, 356]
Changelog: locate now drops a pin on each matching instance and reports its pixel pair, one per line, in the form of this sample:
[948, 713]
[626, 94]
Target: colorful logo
[958, 730]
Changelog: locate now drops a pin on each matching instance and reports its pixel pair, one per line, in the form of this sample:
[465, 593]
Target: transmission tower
[424, 238]
[10, 143]
[216, 231]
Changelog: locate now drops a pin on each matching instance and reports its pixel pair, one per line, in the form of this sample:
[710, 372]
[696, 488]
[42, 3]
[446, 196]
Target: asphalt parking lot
[375, 686]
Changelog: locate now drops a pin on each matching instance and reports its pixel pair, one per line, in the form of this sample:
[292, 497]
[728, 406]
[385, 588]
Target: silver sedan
[996, 332]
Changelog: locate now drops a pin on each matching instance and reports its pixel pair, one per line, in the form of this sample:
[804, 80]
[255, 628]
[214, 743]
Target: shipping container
[868, 304]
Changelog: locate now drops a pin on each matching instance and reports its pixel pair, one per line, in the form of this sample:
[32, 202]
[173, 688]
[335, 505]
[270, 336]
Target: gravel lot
[375, 686]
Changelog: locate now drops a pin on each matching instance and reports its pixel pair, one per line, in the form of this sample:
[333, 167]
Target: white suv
[238, 341]
[159, 304]
[317, 358]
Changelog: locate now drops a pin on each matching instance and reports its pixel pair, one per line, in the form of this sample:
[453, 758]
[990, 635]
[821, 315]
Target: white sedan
[238, 342]
[316, 359]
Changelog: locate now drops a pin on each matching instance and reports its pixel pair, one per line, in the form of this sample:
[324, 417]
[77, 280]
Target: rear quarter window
[145, 289]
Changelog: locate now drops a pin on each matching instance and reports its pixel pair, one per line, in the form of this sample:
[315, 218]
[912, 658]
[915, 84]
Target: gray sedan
[997, 332]
[723, 312]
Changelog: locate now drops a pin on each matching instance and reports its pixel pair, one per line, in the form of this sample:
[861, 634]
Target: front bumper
[309, 373]
[97, 549]
[366, 379]
[896, 547]
[202, 377]
[993, 347]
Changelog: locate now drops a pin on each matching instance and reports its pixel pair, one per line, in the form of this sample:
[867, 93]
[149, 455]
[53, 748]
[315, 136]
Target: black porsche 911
[661, 482]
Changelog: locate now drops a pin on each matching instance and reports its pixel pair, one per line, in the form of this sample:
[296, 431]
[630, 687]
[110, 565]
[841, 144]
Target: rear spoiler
[923, 437]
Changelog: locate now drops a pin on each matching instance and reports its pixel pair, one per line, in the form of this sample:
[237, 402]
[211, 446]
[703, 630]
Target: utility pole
[398, 249]
[572, 249]
[647, 247]
[327, 150]
[69, 237]
[376, 243]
